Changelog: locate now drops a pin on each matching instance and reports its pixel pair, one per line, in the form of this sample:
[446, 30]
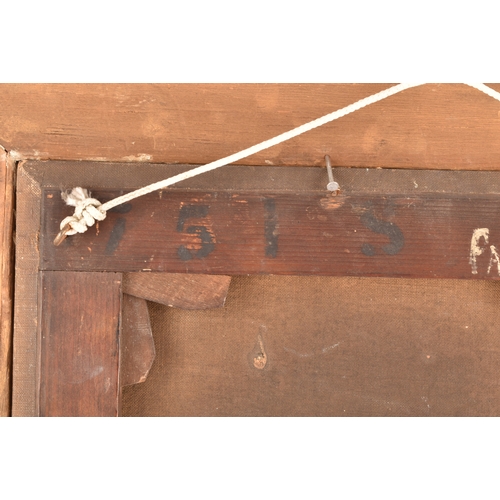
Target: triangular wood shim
[185, 291]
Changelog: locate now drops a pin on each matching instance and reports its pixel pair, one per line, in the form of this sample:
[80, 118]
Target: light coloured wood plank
[6, 223]
[448, 126]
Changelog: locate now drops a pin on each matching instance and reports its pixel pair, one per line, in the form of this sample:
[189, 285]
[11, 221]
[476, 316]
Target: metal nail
[332, 185]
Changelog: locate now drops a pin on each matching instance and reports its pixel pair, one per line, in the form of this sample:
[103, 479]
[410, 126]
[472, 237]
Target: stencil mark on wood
[379, 226]
[271, 227]
[116, 235]
[205, 236]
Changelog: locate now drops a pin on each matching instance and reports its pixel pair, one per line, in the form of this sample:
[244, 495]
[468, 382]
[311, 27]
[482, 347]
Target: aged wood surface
[6, 275]
[449, 126]
[137, 349]
[186, 291]
[426, 235]
[79, 344]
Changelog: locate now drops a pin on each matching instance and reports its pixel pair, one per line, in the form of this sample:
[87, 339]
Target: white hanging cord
[88, 210]
[487, 90]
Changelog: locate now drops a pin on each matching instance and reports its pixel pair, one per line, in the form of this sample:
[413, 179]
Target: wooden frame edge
[7, 182]
[25, 363]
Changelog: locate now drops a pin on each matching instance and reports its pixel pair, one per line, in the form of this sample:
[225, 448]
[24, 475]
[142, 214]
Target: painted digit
[271, 227]
[390, 229]
[206, 238]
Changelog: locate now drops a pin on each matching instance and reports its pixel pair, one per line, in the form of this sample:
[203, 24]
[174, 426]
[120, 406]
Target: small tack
[61, 236]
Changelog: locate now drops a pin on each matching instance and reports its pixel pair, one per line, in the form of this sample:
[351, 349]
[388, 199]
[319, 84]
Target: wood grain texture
[425, 235]
[79, 341]
[6, 279]
[186, 291]
[436, 126]
[137, 349]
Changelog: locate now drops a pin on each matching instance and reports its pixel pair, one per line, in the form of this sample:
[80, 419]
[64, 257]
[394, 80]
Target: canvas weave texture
[320, 346]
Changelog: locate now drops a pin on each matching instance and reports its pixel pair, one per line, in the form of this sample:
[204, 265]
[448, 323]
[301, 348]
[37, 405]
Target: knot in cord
[87, 211]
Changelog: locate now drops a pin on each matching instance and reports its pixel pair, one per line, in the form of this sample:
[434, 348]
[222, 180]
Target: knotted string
[87, 211]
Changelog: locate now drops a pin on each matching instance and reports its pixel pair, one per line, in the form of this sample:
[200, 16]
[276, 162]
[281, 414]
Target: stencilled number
[205, 236]
[271, 227]
[379, 226]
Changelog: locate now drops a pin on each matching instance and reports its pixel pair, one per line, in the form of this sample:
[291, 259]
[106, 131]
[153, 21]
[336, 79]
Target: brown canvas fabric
[318, 346]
